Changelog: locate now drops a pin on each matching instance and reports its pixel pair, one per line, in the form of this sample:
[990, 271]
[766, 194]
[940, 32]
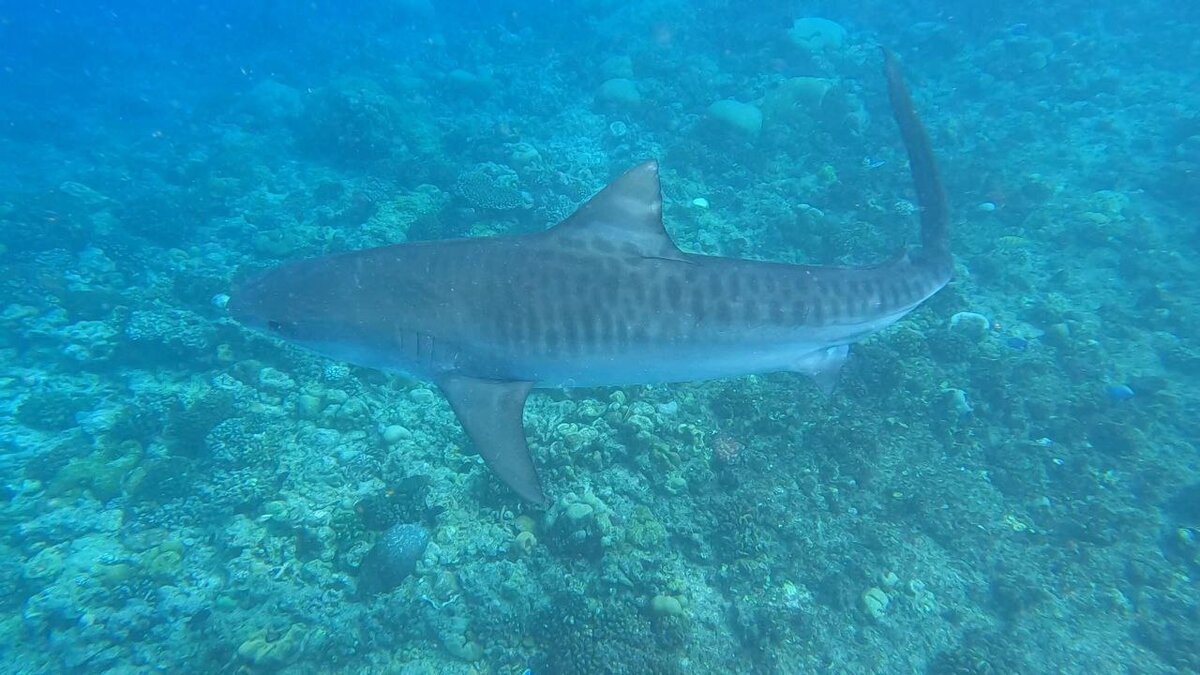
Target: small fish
[1016, 343]
[1012, 241]
[1118, 392]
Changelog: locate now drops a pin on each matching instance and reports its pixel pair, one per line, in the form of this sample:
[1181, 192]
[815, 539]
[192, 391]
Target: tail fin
[931, 195]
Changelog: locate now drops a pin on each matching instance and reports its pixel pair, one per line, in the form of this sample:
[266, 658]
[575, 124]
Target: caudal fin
[931, 195]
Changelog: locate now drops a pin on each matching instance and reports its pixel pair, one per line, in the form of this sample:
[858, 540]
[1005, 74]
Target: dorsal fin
[627, 214]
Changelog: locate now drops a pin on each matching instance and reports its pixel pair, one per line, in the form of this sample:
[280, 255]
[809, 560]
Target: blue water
[1014, 493]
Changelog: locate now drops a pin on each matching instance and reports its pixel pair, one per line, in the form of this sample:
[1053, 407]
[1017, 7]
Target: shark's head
[304, 302]
[270, 302]
[346, 307]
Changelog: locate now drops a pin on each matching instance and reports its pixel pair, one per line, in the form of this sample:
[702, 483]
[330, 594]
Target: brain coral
[491, 186]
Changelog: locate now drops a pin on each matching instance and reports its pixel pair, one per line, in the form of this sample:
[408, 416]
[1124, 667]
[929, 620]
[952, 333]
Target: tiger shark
[604, 297]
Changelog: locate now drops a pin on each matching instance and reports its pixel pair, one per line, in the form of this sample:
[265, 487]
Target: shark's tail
[931, 195]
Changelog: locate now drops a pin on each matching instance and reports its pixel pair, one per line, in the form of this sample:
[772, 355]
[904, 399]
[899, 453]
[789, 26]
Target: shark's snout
[250, 301]
[240, 306]
[295, 301]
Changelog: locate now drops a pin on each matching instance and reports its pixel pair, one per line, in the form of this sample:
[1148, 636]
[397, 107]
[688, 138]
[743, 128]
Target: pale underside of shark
[603, 298]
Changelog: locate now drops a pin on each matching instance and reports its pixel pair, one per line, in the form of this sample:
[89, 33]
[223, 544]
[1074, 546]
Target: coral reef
[1004, 482]
[490, 186]
[580, 637]
[393, 558]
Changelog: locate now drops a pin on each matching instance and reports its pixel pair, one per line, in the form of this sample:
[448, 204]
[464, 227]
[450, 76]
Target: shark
[603, 298]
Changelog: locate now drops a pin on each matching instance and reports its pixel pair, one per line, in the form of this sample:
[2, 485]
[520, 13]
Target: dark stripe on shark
[674, 291]
[699, 305]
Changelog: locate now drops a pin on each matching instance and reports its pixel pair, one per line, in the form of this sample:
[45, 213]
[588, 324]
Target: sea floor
[1005, 482]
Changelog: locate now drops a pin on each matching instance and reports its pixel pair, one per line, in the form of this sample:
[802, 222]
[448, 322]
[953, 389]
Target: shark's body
[603, 298]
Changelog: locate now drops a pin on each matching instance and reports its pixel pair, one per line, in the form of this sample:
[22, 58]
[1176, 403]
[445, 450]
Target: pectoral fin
[491, 412]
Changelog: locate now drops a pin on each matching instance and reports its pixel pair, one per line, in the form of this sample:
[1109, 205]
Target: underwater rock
[473, 84]
[579, 526]
[619, 92]
[47, 564]
[270, 104]
[875, 602]
[393, 557]
[353, 120]
[803, 102]
[971, 325]
[524, 155]
[308, 406]
[742, 118]
[269, 650]
[523, 544]
[460, 647]
[394, 433]
[666, 605]
[815, 34]
[579, 513]
[525, 541]
[617, 67]
[275, 381]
